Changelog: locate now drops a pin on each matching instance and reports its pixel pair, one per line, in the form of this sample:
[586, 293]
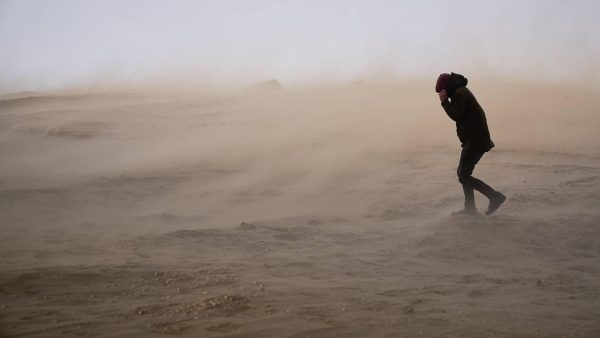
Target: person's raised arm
[456, 108]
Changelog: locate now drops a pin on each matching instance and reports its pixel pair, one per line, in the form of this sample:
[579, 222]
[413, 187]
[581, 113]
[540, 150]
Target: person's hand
[443, 96]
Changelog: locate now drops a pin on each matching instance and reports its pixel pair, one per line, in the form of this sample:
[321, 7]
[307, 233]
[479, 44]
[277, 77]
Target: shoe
[495, 203]
[466, 211]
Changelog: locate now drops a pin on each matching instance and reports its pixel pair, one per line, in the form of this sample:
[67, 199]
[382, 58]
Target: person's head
[442, 82]
[450, 83]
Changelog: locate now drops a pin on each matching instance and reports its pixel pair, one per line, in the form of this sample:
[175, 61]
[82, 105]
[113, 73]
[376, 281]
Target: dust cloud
[244, 171]
[136, 196]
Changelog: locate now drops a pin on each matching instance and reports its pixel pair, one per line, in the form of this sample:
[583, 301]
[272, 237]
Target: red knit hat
[442, 81]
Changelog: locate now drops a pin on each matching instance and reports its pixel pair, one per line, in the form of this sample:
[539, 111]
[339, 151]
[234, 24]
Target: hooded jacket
[463, 108]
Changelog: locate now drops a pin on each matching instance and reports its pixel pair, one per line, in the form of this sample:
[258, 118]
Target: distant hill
[20, 95]
[267, 86]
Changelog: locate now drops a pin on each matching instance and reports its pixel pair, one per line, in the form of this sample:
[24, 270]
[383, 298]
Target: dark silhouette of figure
[472, 130]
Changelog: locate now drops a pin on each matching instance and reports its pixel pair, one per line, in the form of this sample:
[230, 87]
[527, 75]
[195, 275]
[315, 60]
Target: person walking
[472, 130]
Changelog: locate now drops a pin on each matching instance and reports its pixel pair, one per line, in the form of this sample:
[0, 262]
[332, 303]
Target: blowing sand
[296, 213]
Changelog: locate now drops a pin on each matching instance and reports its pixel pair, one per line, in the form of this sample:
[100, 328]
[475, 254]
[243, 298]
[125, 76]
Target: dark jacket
[463, 108]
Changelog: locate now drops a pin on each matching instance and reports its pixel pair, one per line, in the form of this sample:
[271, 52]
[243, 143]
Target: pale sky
[60, 44]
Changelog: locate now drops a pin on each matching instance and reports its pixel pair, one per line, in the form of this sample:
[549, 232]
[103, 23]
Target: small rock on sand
[246, 226]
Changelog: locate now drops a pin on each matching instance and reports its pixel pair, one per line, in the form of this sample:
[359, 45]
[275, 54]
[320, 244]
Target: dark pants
[468, 160]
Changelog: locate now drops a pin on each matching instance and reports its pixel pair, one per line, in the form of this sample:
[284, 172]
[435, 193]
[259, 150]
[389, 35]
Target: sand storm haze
[307, 205]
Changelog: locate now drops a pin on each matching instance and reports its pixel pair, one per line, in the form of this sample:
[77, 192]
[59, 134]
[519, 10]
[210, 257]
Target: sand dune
[320, 212]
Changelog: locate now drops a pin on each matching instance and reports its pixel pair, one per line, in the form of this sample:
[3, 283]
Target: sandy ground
[309, 213]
